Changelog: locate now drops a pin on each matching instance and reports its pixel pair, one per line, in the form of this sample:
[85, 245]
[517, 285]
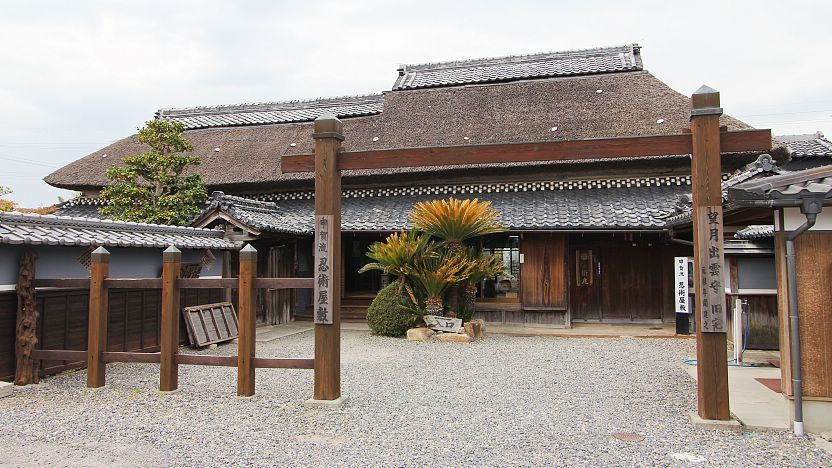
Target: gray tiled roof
[755, 231]
[683, 207]
[260, 215]
[808, 145]
[815, 183]
[519, 67]
[25, 228]
[581, 205]
[273, 112]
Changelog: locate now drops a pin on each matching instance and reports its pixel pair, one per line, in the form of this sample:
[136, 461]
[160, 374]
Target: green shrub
[389, 314]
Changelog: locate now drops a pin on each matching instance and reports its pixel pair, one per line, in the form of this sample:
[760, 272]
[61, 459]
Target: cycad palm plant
[398, 253]
[435, 274]
[456, 220]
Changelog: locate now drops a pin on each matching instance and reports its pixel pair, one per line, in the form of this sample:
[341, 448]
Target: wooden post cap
[171, 254]
[100, 255]
[328, 126]
[248, 254]
[705, 101]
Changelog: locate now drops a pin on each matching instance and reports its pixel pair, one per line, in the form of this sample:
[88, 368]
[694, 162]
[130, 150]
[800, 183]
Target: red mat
[771, 384]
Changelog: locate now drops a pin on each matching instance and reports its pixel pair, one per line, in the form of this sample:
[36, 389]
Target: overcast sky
[76, 76]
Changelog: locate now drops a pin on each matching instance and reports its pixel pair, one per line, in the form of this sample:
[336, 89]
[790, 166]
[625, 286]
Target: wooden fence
[99, 350]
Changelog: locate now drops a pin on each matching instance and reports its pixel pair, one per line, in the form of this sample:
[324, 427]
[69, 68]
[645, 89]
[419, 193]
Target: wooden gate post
[326, 300]
[248, 320]
[97, 337]
[711, 322]
[26, 329]
[168, 369]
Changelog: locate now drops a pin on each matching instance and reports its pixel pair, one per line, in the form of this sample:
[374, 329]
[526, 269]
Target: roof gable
[265, 113]
[520, 67]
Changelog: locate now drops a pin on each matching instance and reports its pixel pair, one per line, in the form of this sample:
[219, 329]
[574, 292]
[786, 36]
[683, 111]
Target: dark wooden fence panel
[8, 314]
[133, 325]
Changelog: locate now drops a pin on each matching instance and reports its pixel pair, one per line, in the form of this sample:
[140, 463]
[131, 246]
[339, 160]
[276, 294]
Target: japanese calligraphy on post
[711, 274]
[680, 266]
[322, 300]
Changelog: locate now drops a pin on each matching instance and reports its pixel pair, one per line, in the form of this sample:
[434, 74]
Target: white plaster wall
[793, 219]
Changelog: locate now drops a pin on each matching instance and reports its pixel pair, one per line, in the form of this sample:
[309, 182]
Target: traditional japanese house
[588, 238]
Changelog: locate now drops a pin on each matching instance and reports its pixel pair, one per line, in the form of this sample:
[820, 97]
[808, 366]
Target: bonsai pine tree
[151, 187]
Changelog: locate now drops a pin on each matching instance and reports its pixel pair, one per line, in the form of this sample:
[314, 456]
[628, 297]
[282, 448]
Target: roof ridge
[632, 48]
[292, 104]
[98, 223]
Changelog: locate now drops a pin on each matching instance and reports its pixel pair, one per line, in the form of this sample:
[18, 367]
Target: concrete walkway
[756, 406]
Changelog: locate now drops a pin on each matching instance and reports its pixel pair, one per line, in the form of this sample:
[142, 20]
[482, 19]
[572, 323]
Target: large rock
[454, 338]
[5, 389]
[420, 334]
[475, 329]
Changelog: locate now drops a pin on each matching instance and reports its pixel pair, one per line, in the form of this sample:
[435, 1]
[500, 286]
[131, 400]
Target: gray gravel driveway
[502, 401]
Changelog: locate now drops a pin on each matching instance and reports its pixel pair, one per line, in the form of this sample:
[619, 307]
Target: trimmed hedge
[386, 315]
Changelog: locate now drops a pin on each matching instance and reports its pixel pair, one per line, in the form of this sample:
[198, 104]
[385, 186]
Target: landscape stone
[5, 389]
[454, 338]
[475, 328]
[420, 334]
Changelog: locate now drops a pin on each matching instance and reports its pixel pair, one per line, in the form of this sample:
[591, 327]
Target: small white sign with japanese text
[680, 266]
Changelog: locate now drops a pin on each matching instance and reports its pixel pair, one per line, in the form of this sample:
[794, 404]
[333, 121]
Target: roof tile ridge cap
[171, 111]
[253, 201]
[82, 221]
[626, 48]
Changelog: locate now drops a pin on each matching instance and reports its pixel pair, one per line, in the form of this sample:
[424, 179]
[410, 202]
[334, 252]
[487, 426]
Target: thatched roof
[605, 104]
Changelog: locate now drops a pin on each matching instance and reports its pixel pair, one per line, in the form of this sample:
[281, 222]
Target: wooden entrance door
[584, 294]
[618, 279]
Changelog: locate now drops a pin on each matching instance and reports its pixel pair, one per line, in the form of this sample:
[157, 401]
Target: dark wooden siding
[133, 322]
[542, 274]
[632, 278]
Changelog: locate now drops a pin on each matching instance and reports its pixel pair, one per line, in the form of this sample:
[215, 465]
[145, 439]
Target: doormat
[771, 384]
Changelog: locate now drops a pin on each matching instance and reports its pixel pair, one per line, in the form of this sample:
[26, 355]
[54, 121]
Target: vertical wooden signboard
[706, 185]
[328, 137]
[680, 266]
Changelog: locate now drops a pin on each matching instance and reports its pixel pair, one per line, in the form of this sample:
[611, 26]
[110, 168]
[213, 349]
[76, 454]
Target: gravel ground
[500, 401]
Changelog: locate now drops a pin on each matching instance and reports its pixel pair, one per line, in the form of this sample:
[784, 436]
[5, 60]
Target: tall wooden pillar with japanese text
[709, 262]
[327, 251]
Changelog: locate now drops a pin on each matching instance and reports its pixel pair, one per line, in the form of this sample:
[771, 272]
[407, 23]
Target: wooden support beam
[74, 283]
[26, 329]
[207, 283]
[133, 283]
[595, 148]
[97, 337]
[148, 358]
[711, 339]
[327, 268]
[283, 283]
[59, 355]
[247, 331]
[169, 342]
[206, 360]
